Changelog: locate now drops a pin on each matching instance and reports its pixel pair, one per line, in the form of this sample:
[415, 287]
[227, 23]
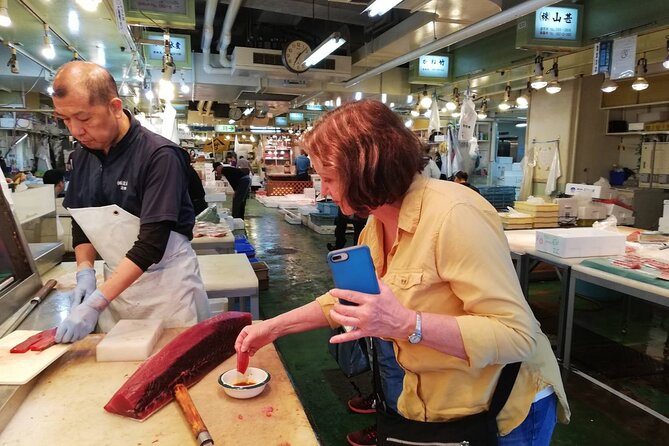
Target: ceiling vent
[267, 63]
[252, 96]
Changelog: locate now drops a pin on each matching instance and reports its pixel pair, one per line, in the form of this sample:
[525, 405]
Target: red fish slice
[28, 343]
[45, 342]
[242, 362]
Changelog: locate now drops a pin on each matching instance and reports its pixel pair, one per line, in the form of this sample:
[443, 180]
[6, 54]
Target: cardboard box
[580, 242]
[574, 188]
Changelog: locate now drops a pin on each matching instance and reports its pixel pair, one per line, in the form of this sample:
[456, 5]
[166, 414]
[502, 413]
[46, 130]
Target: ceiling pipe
[482, 26]
[208, 34]
[226, 32]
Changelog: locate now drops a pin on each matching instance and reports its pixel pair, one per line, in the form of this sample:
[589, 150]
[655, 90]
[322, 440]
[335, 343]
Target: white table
[231, 276]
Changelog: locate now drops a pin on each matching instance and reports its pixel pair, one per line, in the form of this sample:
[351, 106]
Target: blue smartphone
[352, 269]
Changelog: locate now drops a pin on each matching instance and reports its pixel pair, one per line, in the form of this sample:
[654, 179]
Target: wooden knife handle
[45, 290]
[192, 415]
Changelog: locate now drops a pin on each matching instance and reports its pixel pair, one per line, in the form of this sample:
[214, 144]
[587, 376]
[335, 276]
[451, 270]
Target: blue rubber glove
[86, 284]
[82, 318]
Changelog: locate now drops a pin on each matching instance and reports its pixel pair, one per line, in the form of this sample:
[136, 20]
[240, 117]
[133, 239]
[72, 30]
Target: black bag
[474, 430]
[351, 356]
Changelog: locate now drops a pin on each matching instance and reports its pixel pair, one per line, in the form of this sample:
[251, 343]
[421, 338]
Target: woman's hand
[253, 337]
[377, 315]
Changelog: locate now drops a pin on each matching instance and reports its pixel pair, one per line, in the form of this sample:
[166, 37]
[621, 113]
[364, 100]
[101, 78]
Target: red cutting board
[19, 368]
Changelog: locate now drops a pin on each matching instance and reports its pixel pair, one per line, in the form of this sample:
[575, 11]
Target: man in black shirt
[461, 177]
[129, 201]
[240, 183]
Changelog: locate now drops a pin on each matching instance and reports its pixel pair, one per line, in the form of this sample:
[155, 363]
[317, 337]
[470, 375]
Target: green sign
[224, 128]
[179, 49]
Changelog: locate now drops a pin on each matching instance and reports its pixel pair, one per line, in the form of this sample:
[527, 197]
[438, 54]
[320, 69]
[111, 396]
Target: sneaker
[331, 247]
[364, 437]
[363, 404]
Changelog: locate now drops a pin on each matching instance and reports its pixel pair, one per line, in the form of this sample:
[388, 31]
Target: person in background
[195, 187]
[55, 177]
[457, 319]
[302, 166]
[244, 165]
[461, 177]
[341, 224]
[430, 170]
[240, 183]
[123, 164]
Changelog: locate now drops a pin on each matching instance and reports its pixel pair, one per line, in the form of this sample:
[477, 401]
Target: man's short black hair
[461, 175]
[52, 176]
[216, 164]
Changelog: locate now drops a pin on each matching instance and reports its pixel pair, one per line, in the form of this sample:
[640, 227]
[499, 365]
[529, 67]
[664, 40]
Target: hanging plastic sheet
[528, 163]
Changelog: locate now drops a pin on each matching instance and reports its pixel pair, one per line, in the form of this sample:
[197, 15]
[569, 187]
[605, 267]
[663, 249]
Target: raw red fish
[46, 336]
[185, 360]
[242, 362]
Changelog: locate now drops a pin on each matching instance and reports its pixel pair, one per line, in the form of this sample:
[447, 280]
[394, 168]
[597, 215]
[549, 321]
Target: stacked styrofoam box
[580, 242]
[664, 220]
[544, 215]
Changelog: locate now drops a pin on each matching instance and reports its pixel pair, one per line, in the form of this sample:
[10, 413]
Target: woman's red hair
[371, 150]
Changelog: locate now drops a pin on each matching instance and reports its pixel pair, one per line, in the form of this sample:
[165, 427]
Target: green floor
[298, 273]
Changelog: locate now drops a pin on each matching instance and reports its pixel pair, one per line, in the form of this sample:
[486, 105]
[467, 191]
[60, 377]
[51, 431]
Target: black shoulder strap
[504, 386]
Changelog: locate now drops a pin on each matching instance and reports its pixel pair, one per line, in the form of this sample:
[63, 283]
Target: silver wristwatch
[417, 334]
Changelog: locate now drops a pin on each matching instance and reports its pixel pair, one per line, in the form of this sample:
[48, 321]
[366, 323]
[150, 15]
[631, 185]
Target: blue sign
[295, 117]
[280, 120]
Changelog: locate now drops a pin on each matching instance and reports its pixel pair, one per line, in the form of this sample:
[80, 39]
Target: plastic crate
[327, 208]
[499, 196]
[275, 188]
[322, 219]
[243, 247]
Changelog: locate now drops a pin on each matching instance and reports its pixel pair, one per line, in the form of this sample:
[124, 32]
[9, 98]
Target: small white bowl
[229, 381]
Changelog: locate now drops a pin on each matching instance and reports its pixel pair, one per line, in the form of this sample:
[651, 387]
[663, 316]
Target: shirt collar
[132, 130]
[412, 204]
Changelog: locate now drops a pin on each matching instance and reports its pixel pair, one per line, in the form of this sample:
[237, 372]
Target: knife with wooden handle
[25, 310]
[192, 416]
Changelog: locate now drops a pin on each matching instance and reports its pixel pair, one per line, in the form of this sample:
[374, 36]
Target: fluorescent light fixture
[248, 111]
[325, 49]
[521, 124]
[89, 5]
[100, 59]
[380, 7]
[358, 95]
[4, 15]
[665, 64]
[338, 101]
[48, 50]
[608, 86]
[73, 21]
[409, 98]
[384, 98]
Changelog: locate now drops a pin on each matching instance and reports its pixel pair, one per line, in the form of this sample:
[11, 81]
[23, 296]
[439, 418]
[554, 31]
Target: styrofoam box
[573, 188]
[580, 242]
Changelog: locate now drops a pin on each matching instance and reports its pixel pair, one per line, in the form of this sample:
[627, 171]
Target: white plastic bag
[467, 120]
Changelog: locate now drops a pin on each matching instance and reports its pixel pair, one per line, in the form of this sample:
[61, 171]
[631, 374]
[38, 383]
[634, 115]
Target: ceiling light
[409, 98]
[125, 90]
[338, 101]
[4, 15]
[380, 7]
[73, 21]
[408, 123]
[523, 101]
[248, 111]
[456, 114]
[415, 113]
[443, 110]
[49, 90]
[521, 124]
[608, 86]
[149, 95]
[554, 86]
[392, 105]
[48, 50]
[89, 5]
[184, 88]
[428, 113]
[452, 104]
[358, 95]
[426, 100]
[231, 121]
[100, 58]
[539, 82]
[665, 64]
[165, 90]
[384, 97]
[483, 112]
[325, 49]
[253, 138]
[506, 104]
[641, 83]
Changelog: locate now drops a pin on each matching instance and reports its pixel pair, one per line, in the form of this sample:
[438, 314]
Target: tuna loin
[185, 360]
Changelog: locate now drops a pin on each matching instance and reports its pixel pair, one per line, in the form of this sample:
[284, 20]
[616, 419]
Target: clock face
[294, 54]
[235, 113]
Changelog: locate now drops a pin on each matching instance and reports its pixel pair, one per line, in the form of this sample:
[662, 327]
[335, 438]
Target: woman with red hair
[477, 366]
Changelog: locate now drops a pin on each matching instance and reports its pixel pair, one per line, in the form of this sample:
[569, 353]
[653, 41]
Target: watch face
[294, 54]
[235, 113]
[415, 338]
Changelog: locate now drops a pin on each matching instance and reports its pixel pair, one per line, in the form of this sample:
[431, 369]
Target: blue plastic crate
[244, 247]
[499, 196]
[327, 208]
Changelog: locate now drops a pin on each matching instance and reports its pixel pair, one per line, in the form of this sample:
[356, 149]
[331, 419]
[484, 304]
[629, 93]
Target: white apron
[170, 290]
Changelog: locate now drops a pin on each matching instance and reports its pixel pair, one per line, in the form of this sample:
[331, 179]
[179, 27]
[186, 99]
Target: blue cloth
[302, 164]
[538, 426]
[392, 375]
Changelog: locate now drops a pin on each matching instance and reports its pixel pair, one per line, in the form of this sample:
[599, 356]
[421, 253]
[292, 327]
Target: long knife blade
[25, 310]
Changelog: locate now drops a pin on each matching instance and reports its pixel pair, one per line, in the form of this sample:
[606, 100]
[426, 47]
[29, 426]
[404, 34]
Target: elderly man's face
[94, 126]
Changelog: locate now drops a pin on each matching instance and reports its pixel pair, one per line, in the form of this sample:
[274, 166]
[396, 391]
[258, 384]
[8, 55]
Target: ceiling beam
[337, 12]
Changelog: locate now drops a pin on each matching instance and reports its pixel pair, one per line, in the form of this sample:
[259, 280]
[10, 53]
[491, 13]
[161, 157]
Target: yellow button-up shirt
[451, 257]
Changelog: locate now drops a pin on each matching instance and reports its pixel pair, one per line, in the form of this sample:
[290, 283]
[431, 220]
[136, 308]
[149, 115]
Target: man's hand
[82, 319]
[86, 284]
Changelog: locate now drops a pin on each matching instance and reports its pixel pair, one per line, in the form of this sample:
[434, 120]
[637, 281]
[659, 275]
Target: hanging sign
[601, 57]
[225, 128]
[551, 27]
[433, 66]
[623, 57]
[166, 13]
[179, 49]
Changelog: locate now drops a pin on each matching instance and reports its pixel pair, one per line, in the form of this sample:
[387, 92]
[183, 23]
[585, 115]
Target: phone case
[356, 272]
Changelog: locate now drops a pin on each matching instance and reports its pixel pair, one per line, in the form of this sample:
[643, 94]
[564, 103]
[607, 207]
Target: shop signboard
[168, 13]
[551, 27]
[295, 117]
[601, 57]
[429, 70]
[179, 49]
[623, 57]
[281, 121]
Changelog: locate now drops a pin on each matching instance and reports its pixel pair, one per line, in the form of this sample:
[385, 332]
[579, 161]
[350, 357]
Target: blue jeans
[392, 375]
[538, 426]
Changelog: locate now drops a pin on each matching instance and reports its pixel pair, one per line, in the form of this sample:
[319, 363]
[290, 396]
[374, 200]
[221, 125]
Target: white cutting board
[19, 368]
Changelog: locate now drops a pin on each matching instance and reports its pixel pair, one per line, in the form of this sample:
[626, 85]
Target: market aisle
[298, 272]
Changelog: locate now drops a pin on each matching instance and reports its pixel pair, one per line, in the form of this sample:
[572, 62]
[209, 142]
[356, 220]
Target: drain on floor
[281, 251]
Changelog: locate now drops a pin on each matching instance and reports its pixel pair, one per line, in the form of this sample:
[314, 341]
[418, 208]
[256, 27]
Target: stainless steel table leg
[564, 350]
